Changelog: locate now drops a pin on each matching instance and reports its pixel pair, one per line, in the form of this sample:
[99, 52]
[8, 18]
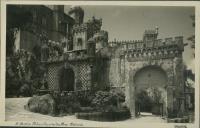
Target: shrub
[119, 95]
[67, 104]
[108, 101]
[25, 90]
[21, 67]
[85, 98]
[107, 107]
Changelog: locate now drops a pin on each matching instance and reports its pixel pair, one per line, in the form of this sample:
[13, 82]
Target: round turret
[77, 13]
[91, 47]
[101, 39]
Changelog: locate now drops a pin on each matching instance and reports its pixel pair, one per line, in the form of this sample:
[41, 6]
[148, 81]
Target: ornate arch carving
[168, 71]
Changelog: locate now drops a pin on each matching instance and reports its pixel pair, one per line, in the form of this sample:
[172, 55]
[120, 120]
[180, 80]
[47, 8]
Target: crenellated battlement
[77, 13]
[123, 42]
[80, 28]
[151, 31]
[140, 44]
[93, 24]
[135, 50]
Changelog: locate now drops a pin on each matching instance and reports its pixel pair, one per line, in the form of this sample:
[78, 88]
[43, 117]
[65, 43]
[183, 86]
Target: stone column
[131, 94]
[91, 72]
[132, 100]
[170, 100]
[181, 107]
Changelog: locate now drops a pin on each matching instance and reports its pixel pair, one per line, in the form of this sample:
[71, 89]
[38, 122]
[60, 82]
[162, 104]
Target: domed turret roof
[76, 9]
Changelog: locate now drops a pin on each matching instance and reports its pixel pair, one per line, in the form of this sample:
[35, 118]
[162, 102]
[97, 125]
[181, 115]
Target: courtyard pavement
[15, 112]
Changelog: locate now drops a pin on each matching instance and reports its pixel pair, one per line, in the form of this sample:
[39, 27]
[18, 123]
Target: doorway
[67, 79]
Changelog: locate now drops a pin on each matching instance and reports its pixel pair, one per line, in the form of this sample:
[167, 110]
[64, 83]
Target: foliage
[144, 100]
[107, 100]
[85, 98]
[24, 74]
[148, 98]
[192, 37]
[156, 95]
[67, 104]
[10, 38]
[118, 94]
[189, 77]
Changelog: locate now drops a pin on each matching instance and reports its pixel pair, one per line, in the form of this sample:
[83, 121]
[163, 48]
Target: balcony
[76, 55]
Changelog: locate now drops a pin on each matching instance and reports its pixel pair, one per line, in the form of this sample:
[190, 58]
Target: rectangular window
[44, 22]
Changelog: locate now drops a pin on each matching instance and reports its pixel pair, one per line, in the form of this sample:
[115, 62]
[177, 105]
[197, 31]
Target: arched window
[79, 43]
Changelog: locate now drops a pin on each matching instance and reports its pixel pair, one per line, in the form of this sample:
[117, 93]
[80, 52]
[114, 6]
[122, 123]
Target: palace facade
[78, 57]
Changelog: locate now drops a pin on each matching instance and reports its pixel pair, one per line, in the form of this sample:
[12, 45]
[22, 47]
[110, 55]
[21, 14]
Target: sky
[130, 22]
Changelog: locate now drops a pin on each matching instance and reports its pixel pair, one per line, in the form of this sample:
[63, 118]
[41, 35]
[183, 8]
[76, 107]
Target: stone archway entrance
[67, 79]
[150, 93]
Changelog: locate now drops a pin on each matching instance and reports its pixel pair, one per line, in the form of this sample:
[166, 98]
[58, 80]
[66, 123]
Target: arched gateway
[165, 76]
[150, 91]
[151, 73]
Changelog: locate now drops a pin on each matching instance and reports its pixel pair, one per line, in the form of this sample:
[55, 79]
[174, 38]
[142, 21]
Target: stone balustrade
[77, 55]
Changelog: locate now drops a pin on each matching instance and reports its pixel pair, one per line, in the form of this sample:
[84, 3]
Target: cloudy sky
[129, 22]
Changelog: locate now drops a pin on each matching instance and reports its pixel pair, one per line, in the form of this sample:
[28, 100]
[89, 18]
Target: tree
[192, 37]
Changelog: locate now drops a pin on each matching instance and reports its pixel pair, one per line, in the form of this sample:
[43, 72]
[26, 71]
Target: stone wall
[28, 40]
[122, 72]
[132, 68]
[101, 73]
[117, 68]
[17, 41]
[115, 72]
[82, 72]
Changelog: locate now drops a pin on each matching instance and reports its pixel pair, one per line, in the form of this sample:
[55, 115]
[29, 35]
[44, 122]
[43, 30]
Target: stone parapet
[78, 55]
[80, 28]
[75, 55]
[55, 59]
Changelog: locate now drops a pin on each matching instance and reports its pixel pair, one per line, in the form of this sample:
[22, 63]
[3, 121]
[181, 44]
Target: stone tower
[101, 39]
[150, 36]
[57, 9]
[77, 14]
[83, 32]
[91, 47]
